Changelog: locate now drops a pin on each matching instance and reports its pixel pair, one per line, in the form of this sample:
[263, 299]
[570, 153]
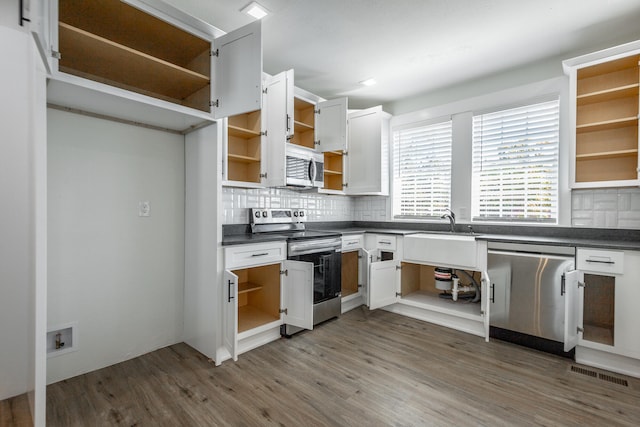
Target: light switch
[144, 208]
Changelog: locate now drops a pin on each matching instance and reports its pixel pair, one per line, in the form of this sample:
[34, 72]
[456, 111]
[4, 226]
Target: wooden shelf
[333, 154]
[250, 317]
[243, 159]
[608, 154]
[332, 172]
[85, 53]
[301, 127]
[628, 91]
[245, 287]
[242, 132]
[607, 124]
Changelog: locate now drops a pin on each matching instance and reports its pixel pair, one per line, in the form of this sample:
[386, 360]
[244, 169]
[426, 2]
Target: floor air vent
[615, 380]
[604, 377]
[583, 371]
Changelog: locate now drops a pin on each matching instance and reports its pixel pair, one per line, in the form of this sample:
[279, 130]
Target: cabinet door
[331, 125]
[297, 294]
[486, 304]
[237, 77]
[363, 272]
[36, 14]
[367, 161]
[383, 284]
[276, 111]
[572, 307]
[230, 312]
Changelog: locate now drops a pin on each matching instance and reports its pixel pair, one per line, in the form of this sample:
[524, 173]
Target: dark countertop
[236, 234]
[560, 241]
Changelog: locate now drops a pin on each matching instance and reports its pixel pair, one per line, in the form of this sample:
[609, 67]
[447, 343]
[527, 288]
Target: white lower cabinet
[355, 272]
[403, 281]
[601, 312]
[259, 297]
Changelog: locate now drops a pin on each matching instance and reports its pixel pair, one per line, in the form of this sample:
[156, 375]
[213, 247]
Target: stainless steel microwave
[304, 167]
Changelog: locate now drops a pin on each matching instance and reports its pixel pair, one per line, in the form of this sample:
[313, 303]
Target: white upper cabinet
[331, 125]
[279, 115]
[238, 71]
[35, 15]
[139, 60]
[367, 165]
[604, 117]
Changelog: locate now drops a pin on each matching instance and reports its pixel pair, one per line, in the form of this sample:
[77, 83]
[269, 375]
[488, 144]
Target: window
[515, 164]
[422, 170]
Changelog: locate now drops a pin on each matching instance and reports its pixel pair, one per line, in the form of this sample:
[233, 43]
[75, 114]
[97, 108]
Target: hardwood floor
[15, 412]
[367, 368]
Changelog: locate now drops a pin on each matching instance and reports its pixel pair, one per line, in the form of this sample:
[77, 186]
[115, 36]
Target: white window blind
[515, 164]
[422, 170]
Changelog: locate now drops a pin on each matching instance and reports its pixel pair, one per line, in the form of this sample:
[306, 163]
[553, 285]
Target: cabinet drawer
[254, 254]
[600, 261]
[385, 241]
[352, 242]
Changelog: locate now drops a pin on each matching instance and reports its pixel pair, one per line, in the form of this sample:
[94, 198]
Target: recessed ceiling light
[255, 10]
[368, 82]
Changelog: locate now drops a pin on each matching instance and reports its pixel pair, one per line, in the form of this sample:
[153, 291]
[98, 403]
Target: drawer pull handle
[352, 243]
[261, 254]
[597, 261]
[385, 242]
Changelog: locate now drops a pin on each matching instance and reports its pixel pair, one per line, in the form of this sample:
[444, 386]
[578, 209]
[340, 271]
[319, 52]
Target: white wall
[119, 276]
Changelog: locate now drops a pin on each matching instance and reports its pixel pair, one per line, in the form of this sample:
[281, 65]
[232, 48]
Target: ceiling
[413, 47]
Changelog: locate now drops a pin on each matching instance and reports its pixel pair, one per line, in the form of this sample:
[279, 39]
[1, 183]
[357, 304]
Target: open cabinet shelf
[333, 170]
[303, 123]
[418, 288]
[258, 296]
[114, 43]
[607, 121]
[244, 147]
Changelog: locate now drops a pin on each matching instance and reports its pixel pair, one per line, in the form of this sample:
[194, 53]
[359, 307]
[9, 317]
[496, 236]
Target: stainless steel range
[322, 249]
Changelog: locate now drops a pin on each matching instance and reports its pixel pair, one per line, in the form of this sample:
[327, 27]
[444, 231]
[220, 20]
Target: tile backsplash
[599, 208]
[606, 208]
[319, 207]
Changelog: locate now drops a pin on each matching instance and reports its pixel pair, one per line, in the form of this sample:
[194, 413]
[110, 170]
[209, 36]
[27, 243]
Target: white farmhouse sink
[442, 249]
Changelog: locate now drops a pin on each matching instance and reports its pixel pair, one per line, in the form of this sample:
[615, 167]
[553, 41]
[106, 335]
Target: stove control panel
[277, 216]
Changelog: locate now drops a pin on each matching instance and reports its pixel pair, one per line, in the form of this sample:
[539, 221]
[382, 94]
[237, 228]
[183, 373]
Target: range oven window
[327, 270]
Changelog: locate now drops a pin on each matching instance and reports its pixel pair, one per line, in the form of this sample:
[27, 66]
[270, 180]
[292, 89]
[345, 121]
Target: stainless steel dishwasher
[527, 293]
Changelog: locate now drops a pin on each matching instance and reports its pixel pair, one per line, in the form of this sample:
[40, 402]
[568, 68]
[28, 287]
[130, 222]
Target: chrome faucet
[448, 214]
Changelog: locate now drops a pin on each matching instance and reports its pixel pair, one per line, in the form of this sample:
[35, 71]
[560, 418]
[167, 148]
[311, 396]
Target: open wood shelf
[301, 127]
[607, 124]
[116, 44]
[244, 147]
[303, 124]
[241, 132]
[607, 121]
[331, 172]
[243, 159]
[248, 287]
[609, 154]
[250, 317]
[628, 91]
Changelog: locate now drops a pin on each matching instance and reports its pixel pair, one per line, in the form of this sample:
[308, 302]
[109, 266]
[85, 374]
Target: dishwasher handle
[529, 254]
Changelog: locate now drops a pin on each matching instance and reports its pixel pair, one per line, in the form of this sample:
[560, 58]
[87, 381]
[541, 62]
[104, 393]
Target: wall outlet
[144, 208]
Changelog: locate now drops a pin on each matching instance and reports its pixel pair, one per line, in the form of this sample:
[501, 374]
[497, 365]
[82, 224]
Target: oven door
[327, 274]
